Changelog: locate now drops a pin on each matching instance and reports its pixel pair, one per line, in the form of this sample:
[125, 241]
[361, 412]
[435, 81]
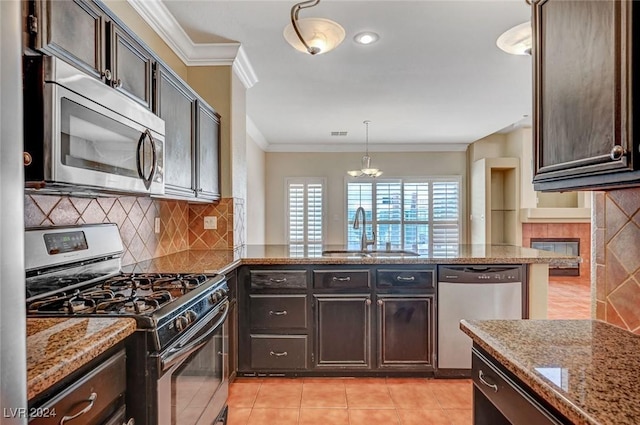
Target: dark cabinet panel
[405, 330]
[207, 177]
[343, 331]
[175, 103]
[341, 279]
[131, 65]
[274, 352]
[278, 279]
[278, 311]
[583, 101]
[73, 30]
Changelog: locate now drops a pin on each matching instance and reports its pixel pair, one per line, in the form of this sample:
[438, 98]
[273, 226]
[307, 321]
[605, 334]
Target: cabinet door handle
[27, 159]
[493, 386]
[131, 421]
[405, 279]
[107, 74]
[277, 313]
[617, 152]
[274, 280]
[91, 400]
[380, 303]
[341, 279]
[368, 301]
[283, 354]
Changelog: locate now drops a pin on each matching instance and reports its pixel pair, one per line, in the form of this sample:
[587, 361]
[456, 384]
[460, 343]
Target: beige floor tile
[423, 417]
[273, 416]
[460, 416]
[322, 395]
[369, 397]
[413, 396]
[243, 394]
[453, 394]
[373, 417]
[238, 415]
[324, 417]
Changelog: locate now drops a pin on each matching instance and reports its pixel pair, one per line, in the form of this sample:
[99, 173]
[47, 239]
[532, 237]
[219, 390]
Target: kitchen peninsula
[577, 371]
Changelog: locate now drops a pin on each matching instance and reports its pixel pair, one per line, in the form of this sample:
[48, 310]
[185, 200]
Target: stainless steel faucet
[364, 242]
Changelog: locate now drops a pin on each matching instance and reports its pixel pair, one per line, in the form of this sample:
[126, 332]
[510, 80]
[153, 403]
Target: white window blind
[421, 214]
[305, 210]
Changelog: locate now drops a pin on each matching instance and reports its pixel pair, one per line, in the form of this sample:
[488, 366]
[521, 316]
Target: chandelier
[312, 35]
[366, 170]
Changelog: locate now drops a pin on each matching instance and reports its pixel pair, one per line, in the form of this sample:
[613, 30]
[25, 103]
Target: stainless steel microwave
[81, 135]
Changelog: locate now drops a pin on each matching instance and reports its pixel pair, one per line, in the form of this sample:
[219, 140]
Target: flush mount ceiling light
[312, 35]
[516, 40]
[366, 37]
[365, 169]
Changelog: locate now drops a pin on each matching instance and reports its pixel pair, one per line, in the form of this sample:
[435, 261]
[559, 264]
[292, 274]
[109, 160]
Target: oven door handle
[177, 353]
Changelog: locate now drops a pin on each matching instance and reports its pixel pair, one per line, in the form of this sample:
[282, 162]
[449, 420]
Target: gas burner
[137, 305]
[63, 303]
[99, 295]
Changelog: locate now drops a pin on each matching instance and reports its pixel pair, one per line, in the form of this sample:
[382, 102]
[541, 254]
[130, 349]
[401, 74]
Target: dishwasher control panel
[480, 274]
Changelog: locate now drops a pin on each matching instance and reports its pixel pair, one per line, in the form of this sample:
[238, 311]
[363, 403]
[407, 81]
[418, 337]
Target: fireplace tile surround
[181, 224]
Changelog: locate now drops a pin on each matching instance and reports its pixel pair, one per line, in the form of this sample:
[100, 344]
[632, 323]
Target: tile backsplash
[135, 217]
[616, 249]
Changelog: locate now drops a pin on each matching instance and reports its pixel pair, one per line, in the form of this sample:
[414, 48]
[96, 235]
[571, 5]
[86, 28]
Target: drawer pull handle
[405, 279]
[341, 279]
[274, 280]
[283, 354]
[91, 400]
[493, 386]
[277, 313]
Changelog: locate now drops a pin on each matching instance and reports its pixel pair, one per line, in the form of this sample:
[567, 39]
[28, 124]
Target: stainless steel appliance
[177, 360]
[82, 135]
[474, 293]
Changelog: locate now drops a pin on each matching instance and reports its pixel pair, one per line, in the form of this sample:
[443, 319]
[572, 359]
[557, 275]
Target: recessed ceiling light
[366, 37]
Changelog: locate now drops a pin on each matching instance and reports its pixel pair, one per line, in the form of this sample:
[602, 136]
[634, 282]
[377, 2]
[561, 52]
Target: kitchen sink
[369, 254]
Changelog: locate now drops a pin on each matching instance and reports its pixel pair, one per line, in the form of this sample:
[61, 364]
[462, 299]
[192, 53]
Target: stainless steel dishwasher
[474, 293]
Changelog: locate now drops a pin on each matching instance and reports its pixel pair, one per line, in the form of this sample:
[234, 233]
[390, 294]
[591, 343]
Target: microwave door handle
[140, 159]
[179, 352]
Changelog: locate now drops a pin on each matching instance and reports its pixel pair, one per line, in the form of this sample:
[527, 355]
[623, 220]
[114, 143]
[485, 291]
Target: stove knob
[181, 323]
[214, 297]
[191, 316]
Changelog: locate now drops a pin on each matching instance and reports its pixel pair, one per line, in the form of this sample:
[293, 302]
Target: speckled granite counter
[58, 347]
[587, 370]
[199, 261]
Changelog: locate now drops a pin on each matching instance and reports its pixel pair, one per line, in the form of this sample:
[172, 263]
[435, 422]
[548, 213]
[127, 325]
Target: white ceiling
[435, 80]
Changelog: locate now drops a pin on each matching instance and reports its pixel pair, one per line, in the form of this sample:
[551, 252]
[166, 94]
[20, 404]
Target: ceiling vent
[338, 133]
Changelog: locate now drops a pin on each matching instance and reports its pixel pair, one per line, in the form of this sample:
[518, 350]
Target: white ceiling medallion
[156, 14]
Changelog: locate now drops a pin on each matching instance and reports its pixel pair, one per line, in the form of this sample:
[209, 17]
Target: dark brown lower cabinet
[499, 398]
[405, 331]
[343, 330]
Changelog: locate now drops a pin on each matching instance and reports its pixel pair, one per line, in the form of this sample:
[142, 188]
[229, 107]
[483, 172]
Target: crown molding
[389, 147]
[156, 14]
[256, 135]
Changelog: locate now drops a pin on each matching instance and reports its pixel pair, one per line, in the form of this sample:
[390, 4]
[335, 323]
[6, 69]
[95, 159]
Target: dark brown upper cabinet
[584, 97]
[85, 34]
[192, 135]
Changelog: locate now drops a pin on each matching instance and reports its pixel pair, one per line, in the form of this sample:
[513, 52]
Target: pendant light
[314, 36]
[366, 170]
[516, 40]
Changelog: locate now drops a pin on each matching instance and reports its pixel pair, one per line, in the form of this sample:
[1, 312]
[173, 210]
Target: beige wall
[333, 167]
[256, 190]
[130, 17]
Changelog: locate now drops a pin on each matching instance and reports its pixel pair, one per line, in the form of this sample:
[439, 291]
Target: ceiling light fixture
[312, 35]
[516, 40]
[366, 37]
[366, 170]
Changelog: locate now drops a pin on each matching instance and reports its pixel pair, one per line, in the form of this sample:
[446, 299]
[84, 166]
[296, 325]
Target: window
[420, 215]
[305, 212]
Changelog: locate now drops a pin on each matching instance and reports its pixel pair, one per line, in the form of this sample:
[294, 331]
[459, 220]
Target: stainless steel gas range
[177, 359]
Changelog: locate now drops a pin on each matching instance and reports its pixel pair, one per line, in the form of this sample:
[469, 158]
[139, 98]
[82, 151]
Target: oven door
[193, 386]
[99, 137]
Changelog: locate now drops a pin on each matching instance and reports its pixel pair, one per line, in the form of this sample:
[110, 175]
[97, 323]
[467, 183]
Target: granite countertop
[588, 370]
[220, 261]
[57, 347]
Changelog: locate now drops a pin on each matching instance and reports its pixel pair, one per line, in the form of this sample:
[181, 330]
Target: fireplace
[569, 246]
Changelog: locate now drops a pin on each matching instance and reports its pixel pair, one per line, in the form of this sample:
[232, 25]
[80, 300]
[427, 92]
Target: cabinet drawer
[506, 395]
[106, 385]
[263, 279]
[278, 352]
[344, 279]
[402, 278]
[278, 311]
